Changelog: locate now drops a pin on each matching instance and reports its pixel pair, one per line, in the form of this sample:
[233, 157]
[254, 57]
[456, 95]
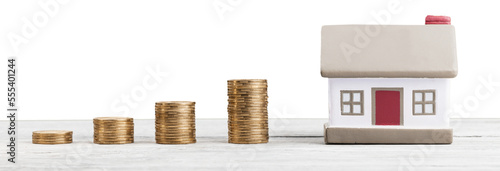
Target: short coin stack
[247, 111]
[113, 130]
[52, 137]
[175, 122]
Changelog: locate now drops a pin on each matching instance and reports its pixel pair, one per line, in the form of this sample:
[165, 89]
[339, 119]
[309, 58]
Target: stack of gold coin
[113, 130]
[52, 137]
[175, 122]
[247, 111]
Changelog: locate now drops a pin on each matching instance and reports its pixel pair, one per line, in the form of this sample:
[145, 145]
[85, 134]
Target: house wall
[441, 86]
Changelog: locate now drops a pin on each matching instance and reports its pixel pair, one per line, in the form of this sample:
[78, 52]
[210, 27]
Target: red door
[387, 107]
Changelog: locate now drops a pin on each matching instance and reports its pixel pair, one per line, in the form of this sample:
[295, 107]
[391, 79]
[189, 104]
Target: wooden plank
[476, 146]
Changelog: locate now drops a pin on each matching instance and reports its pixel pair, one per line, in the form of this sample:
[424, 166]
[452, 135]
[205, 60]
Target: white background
[90, 53]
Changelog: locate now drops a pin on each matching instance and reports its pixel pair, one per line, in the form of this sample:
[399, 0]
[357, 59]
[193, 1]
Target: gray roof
[391, 51]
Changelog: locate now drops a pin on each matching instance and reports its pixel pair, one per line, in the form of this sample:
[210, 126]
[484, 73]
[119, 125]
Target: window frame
[351, 103]
[423, 102]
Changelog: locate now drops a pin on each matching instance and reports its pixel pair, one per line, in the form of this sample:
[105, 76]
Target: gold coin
[248, 95]
[176, 142]
[181, 123]
[114, 137]
[247, 110]
[52, 137]
[248, 134]
[175, 138]
[55, 141]
[173, 116]
[262, 132]
[253, 117]
[247, 120]
[241, 109]
[256, 106]
[179, 126]
[113, 142]
[242, 114]
[104, 134]
[238, 89]
[248, 117]
[175, 122]
[113, 122]
[52, 132]
[175, 134]
[261, 84]
[184, 109]
[113, 119]
[251, 98]
[176, 103]
[176, 131]
[245, 139]
[114, 126]
[184, 125]
[254, 136]
[243, 102]
[247, 99]
[247, 92]
[247, 83]
[248, 141]
[248, 125]
[242, 89]
[248, 114]
[180, 108]
[248, 131]
[247, 80]
[52, 142]
[257, 91]
[113, 129]
[48, 141]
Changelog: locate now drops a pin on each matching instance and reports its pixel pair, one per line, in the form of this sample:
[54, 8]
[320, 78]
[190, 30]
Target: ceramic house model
[388, 83]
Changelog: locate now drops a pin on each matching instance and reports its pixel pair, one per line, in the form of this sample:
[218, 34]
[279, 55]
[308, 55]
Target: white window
[424, 102]
[351, 102]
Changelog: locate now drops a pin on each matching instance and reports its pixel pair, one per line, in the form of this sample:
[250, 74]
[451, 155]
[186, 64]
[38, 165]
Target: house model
[389, 83]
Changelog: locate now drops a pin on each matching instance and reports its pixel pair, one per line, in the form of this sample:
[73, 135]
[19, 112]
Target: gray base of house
[344, 135]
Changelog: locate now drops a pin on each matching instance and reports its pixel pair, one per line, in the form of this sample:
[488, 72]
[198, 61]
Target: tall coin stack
[52, 137]
[175, 122]
[247, 111]
[113, 130]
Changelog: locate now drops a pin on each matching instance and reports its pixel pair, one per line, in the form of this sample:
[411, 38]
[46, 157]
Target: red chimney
[436, 19]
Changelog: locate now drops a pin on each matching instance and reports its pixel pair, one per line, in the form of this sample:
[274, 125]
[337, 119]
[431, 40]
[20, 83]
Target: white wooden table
[295, 144]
